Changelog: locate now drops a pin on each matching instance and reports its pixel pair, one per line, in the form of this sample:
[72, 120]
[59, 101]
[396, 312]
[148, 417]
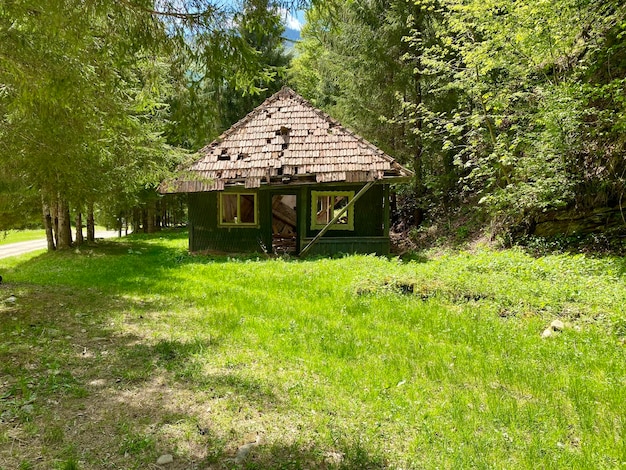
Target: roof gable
[286, 140]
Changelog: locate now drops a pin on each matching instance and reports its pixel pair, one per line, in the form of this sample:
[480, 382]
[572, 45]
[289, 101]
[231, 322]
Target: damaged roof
[286, 140]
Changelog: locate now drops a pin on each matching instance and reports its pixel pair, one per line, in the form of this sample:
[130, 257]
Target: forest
[511, 114]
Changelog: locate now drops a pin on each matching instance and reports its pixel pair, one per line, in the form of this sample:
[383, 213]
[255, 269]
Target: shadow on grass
[135, 266]
[60, 355]
[347, 455]
[75, 386]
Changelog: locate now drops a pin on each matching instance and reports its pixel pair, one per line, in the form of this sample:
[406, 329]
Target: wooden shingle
[286, 132]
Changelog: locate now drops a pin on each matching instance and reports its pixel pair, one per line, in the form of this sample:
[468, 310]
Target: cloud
[290, 21]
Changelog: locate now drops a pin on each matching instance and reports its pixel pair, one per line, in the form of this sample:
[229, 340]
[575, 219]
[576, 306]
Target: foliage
[356, 362]
[82, 86]
[207, 103]
[93, 94]
[515, 108]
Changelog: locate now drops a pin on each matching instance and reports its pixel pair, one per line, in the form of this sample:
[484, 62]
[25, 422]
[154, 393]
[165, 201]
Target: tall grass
[355, 362]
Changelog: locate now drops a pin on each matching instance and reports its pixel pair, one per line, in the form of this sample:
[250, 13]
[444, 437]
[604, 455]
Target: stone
[546, 333]
[11, 299]
[244, 450]
[165, 459]
[557, 325]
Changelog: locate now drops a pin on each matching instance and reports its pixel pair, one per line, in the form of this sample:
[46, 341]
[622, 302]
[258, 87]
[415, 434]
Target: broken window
[327, 205]
[237, 209]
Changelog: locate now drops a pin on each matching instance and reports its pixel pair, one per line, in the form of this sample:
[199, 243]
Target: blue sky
[293, 20]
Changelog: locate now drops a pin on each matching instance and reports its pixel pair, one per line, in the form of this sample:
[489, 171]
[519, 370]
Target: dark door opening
[284, 224]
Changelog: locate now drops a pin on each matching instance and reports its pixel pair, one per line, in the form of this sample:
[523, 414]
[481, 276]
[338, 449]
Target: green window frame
[324, 206]
[238, 210]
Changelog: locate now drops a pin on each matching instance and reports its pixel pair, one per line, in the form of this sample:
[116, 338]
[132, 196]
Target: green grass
[115, 354]
[15, 236]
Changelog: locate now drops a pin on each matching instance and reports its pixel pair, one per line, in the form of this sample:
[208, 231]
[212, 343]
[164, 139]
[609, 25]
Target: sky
[293, 20]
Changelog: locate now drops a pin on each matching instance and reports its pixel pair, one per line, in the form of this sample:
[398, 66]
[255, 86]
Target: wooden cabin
[288, 178]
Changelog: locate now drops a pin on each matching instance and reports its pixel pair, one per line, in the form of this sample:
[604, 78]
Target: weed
[53, 435]
[69, 464]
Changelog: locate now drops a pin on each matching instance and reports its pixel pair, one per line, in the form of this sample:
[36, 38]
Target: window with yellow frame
[325, 205]
[238, 210]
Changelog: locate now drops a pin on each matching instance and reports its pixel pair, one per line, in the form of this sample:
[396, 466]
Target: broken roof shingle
[286, 138]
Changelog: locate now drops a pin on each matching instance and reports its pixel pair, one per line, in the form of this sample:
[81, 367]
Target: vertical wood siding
[369, 234]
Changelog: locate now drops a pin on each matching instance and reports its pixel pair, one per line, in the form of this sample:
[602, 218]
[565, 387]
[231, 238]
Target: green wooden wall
[370, 234]
[204, 233]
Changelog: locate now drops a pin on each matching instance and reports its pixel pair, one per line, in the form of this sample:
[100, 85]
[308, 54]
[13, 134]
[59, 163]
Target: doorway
[284, 224]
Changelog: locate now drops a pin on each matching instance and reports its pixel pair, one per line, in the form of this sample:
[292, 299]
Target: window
[326, 205]
[238, 210]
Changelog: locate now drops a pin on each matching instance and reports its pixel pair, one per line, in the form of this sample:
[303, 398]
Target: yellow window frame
[315, 196]
[221, 214]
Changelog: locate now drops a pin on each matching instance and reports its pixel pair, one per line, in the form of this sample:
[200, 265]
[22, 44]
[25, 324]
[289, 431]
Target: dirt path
[14, 249]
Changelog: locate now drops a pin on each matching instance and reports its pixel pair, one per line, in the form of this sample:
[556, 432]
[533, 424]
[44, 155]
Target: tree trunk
[65, 229]
[136, 220]
[164, 214]
[79, 229]
[91, 226]
[150, 228]
[47, 224]
[158, 219]
[420, 188]
[144, 220]
[55, 222]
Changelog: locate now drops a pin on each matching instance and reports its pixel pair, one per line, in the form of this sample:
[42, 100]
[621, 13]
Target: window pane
[339, 203]
[229, 208]
[323, 210]
[247, 208]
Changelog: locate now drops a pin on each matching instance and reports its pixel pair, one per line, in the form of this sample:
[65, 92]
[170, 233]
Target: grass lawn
[118, 353]
[15, 236]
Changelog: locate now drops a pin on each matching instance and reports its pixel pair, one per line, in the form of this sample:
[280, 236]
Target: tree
[523, 113]
[364, 63]
[86, 89]
[514, 109]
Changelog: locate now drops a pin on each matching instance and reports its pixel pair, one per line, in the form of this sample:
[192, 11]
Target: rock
[547, 333]
[244, 450]
[11, 299]
[557, 325]
[165, 459]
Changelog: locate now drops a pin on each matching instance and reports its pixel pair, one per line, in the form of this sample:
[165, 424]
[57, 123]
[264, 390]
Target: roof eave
[275, 182]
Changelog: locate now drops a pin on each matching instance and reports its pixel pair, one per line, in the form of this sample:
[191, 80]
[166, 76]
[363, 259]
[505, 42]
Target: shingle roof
[286, 140]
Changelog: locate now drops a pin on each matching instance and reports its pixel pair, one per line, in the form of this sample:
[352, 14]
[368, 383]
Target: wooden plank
[386, 210]
[284, 213]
